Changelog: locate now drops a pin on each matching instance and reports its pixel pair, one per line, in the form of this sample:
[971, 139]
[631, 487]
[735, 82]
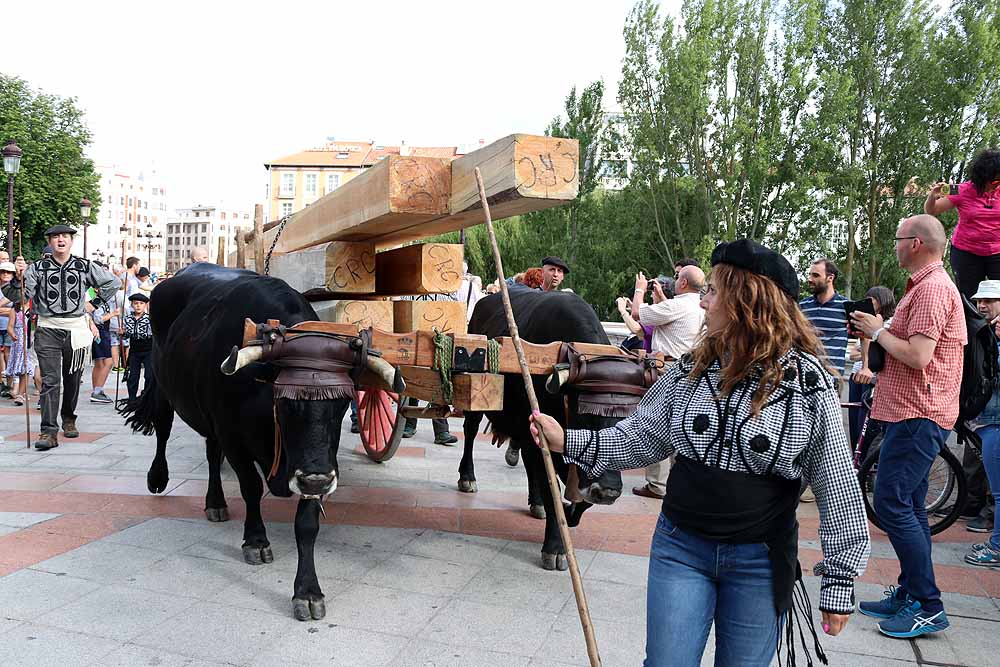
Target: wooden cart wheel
[379, 422]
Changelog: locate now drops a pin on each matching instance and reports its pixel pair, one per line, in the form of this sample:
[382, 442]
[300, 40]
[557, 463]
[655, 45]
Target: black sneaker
[354, 427]
[101, 397]
[980, 524]
[445, 439]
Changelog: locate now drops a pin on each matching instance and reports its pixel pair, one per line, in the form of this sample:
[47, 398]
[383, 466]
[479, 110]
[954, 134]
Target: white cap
[8, 266]
[988, 289]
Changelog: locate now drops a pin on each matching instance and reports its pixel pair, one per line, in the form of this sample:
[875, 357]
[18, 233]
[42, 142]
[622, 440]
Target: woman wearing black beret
[751, 414]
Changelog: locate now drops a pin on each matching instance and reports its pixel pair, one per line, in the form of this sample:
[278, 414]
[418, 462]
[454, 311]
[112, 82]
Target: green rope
[493, 355]
[444, 352]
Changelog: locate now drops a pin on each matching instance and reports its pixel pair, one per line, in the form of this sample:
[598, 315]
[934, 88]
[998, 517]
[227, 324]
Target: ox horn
[239, 358]
[389, 375]
[555, 382]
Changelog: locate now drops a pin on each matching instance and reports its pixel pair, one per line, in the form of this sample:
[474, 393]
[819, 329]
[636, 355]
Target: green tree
[54, 172]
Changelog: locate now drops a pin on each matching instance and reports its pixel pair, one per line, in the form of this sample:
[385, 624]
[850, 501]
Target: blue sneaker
[912, 621]
[983, 554]
[894, 600]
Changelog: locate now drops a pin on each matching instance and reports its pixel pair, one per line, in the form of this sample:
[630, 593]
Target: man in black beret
[553, 272]
[57, 286]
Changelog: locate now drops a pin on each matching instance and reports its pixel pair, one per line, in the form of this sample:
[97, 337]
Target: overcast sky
[207, 91]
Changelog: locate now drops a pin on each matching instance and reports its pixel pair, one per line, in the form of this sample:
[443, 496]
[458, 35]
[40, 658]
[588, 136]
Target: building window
[311, 185]
[222, 216]
[287, 185]
[203, 229]
[286, 208]
[204, 240]
[332, 182]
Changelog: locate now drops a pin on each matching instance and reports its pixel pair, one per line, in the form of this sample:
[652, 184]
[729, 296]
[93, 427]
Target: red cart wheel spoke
[381, 431]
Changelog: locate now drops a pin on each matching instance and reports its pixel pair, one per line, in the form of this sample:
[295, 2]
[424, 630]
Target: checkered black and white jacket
[799, 433]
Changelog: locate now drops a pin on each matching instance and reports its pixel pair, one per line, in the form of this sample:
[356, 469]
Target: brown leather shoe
[646, 492]
[69, 428]
[46, 441]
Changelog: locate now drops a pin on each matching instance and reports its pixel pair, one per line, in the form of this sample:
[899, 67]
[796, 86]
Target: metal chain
[267, 260]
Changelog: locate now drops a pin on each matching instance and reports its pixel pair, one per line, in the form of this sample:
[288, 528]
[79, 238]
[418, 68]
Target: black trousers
[971, 269]
[139, 360]
[55, 359]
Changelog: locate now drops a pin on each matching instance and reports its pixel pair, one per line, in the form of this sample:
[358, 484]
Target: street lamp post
[85, 216]
[11, 165]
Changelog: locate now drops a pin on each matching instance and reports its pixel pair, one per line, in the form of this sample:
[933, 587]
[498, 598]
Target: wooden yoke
[416, 348]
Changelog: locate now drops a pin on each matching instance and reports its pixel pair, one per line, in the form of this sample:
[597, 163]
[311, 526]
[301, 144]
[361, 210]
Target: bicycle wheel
[946, 484]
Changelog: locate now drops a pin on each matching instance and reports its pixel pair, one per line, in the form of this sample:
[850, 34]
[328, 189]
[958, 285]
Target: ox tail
[140, 414]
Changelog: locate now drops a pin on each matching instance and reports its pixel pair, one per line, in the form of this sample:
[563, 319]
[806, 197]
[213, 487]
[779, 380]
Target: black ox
[546, 317]
[302, 382]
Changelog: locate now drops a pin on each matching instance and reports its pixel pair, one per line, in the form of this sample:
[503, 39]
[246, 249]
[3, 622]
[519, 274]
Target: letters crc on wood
[444, 265]
[352, 271]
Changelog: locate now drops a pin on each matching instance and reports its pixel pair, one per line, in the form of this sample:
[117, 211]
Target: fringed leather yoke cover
[313, 366]
[609, 385]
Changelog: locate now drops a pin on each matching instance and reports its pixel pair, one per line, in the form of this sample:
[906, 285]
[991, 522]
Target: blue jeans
[693, 582]
[991, 461]
[908, 449]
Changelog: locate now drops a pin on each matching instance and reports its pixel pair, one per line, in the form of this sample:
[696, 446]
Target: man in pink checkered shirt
[917, 398]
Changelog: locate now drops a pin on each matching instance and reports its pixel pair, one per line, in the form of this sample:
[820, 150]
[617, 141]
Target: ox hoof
[554, 562]
[157, 480]
[217, 514]
[257, 555]
[595, 494]
[306, 610]
[537, 511]
[468, 486]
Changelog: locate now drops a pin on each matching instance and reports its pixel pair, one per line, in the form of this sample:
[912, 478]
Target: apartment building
[133, 210]
[188, 228]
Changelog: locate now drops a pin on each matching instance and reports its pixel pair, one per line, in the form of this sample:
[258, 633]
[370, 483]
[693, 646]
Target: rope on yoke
[444, 352]
[493, 356]
[267, 260]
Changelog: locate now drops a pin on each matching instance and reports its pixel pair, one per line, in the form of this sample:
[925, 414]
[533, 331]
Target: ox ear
[558, 378]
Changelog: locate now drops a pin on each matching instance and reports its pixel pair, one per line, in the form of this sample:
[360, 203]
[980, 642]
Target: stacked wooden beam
[342, 250]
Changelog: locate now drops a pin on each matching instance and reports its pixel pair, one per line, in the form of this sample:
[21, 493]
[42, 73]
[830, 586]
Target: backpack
[979, 366]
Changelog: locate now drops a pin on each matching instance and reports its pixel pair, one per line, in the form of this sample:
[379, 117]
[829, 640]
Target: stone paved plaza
[95, 571]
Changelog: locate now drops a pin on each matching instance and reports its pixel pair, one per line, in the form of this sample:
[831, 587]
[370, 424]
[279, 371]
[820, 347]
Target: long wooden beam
[521, 173]
[407, 198]
[397, 193]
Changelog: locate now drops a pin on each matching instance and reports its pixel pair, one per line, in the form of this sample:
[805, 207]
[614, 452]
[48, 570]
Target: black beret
[60, 229]
[755, 258]
[139, 296]
[555, 261]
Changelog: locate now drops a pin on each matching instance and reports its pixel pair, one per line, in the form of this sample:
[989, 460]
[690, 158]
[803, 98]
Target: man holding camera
[677, 324]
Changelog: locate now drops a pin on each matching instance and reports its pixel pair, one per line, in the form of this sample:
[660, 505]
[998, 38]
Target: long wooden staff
[550, 470]
[24, 346]
[121, 345]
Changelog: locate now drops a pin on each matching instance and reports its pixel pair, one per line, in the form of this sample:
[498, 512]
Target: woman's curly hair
[533, 278]
[762, 323]
[985, 169]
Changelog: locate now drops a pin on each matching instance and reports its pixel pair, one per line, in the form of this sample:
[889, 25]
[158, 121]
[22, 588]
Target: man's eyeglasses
[906, 238]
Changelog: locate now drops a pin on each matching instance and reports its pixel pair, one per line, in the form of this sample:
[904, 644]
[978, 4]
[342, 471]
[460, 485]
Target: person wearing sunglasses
[975, 244]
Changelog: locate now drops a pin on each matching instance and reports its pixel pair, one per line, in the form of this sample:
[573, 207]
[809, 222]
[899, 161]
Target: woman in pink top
[975, 244]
